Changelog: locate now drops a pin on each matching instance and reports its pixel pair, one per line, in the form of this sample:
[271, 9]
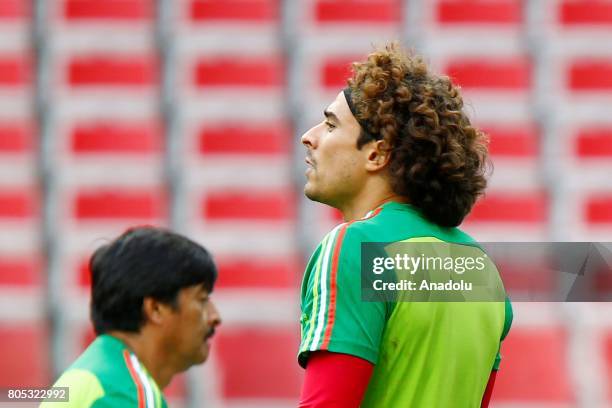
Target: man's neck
[359, 208]
[149, 355]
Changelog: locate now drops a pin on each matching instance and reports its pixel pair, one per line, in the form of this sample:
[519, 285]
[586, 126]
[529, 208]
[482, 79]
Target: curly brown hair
[438, 159]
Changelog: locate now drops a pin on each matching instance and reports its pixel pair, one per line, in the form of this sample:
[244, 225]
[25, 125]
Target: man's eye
[330, 126]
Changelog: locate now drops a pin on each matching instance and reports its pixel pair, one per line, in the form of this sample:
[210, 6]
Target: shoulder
[84, 389]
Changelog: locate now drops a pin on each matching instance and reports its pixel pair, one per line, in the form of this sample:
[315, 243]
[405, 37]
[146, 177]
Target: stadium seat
[336, 70]
[20, 270]
[590, 75]
[235, 10]
[585, 12]
[598, 209]
[116, 137]
[112, 70]
[245, 138]
[23, 352]
[18, 202]
[255, 273]
[471, 12]
[123, 203]
[15, 138]
[358, 11]
[510, 207]
[239, 71]
[527, 277]
[258, 205]
[482, 73]
[14, 71]
[534, 367]
[14, 9]
[594, 142]
[258, 362]
[512, 141]
[109, 10]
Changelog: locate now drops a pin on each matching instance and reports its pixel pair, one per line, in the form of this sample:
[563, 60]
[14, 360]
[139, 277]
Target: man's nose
[309, 138]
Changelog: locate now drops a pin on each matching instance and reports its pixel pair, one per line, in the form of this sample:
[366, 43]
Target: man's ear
[378, 155]
[154, 310]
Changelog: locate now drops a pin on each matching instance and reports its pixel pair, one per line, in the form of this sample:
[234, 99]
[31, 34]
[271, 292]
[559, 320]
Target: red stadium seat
[510, 208]
[15, 138]
[598, 209]
[20, 270]
[513, 73]
[607, 355]
[534, 367]
[14, 71]
[591, 75]
[116, 137]
[337, 70]
[235, 10]
[18, 202]
[239, 71]
[585, 12]
[262, 205]
[267, 138]
[270, 272]
[14, 9]
[512, 141]
[112, 70]
[112, 10]
[527, 277]
[358, 11]
[504, 12]
[119, 204]
[594, 143]
[258, 362]
[23, 352]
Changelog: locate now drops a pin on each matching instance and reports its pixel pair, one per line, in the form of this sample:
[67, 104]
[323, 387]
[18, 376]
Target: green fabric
[426, 354]
[100, 377]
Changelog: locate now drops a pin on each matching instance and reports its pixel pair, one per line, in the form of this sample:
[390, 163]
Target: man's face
[336, 171]
[191, 325]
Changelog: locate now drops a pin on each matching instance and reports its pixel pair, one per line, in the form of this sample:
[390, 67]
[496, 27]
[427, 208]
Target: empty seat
[598, 209]
[116, 137]
[249, 272]
[112, 70]
[511, 207]
[499, 12]
[123, 203]
[18, 202]
[15, 138]
[14, 9]
[585, 12]
[595, 142]
[24, 354]
[14, 70]
[534, 367]
[590, 75]
[267, 368]
[120, 10]
[235, 10]
[20, 270]
[245, 138]
[358, 11]
[512, 141]
[257, 205]
[500, 74]
[239, 71]
[336, 71]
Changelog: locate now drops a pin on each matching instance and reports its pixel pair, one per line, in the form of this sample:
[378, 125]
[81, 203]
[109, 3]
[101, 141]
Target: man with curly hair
[400, 159]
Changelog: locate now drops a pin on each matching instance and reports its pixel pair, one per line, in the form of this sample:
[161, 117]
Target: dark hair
[438, 159]
[143, 262]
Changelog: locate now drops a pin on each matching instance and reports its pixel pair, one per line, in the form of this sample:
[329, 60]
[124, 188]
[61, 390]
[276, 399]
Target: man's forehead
[340, 107]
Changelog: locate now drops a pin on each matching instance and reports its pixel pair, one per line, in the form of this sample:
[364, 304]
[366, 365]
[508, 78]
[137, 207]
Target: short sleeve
[334, 316]
[509, 316]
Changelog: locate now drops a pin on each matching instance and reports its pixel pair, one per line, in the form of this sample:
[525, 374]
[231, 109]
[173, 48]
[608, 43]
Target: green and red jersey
[426, 354]
[108, 374]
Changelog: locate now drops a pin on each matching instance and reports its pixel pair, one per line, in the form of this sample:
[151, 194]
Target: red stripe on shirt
[331, 311]
[135, 378]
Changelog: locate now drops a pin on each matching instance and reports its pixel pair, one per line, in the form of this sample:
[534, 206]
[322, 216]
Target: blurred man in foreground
[396, 154]
[153, 316]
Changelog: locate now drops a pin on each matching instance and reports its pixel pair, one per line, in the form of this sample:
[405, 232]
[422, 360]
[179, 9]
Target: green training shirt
[107, 375]
[426, 354]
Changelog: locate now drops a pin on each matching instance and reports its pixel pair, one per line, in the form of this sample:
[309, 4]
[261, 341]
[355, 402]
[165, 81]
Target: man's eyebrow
[331, 115]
